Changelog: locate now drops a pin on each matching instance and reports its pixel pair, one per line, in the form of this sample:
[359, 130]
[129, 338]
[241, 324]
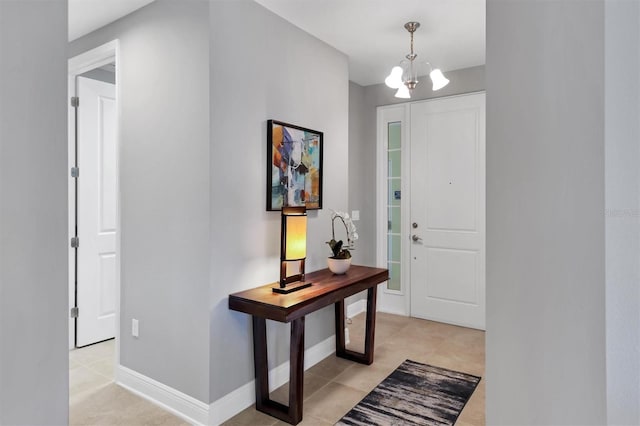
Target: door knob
[415, 238]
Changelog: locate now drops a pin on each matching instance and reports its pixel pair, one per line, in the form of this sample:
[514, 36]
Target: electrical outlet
[134, 328]
[355, 215]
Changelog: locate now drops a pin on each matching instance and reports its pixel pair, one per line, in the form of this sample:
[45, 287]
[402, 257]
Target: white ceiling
[369, 32]
[89, 15]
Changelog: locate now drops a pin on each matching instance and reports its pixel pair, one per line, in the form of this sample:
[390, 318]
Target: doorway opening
[431, 209]
[94, 218]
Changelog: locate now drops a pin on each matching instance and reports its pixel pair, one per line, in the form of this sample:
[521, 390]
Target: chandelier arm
[409, 72]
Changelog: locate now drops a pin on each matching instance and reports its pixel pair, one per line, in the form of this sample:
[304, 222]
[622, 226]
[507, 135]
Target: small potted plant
[340, 261]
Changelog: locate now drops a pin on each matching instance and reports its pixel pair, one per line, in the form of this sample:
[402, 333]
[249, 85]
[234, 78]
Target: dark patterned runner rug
[414, 394]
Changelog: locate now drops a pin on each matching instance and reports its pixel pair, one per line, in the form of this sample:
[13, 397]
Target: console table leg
[370, 331]
[260, 362]
[296, 374]
[340, 340]
[293, 413]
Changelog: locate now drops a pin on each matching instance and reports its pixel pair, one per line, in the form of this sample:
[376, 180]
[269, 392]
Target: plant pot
[338, 266]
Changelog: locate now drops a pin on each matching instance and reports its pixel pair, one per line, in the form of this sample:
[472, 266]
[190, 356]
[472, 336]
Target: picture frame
[294, 166]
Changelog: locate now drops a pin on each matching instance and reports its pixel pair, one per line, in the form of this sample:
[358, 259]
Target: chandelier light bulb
[394, 79]
[438, 79]
[403, 92]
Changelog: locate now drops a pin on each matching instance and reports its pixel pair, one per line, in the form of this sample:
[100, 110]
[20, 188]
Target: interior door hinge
[75, 102]
[75, 311]
[75, 242]
[75, 172]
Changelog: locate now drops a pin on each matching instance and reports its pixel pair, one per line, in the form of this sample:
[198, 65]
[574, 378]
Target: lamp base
[290, 288]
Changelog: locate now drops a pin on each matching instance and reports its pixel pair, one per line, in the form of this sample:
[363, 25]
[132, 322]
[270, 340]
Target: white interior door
[97, 206]
[447, 209]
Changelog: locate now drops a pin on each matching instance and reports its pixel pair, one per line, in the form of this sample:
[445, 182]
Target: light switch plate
[355, 215]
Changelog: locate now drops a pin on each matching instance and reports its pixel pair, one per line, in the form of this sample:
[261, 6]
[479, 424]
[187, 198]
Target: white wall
[34, 375]
[265, 69]
[165, 173]
[545, 222]
[622, 214]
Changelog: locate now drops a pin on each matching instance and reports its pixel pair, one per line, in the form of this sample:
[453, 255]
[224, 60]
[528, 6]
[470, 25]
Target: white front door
[97, 206]
[447, 210]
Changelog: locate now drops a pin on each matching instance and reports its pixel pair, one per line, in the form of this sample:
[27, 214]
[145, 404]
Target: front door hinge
[75, 172]
[75, 311]
[75, 102]
[75, 242]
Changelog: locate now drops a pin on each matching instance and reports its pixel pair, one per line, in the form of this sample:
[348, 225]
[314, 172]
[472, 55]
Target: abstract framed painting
[294, 166]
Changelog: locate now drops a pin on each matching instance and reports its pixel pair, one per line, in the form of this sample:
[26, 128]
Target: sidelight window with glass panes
[394, 185]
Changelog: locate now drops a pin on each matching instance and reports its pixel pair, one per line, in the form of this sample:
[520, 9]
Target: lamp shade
[438, 79]
[294, 233]
[403, 92]
[394, 79]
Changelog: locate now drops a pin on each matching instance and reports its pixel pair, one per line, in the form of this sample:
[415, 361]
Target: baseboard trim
[182, 405]
[398, 312]
[199, 413]
[233, 403]
[356, 308]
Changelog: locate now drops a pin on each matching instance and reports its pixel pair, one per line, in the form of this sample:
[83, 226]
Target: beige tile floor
[333, 386]
[94, 398]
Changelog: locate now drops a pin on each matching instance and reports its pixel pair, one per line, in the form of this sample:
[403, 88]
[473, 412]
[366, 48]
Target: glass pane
[394, 282]
[394, 192]
[393, 248]
[394, 135]
[394, 219]
[394, 164]
[394, 158]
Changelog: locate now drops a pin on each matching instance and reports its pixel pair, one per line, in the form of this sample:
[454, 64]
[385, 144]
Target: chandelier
[404, 77]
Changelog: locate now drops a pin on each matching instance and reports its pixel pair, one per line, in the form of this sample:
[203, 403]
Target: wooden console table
[327, 289]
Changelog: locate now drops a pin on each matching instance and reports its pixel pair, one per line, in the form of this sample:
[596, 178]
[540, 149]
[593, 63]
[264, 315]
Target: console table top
[327, 289]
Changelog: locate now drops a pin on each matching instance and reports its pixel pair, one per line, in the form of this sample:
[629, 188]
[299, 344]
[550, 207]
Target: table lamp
[293, 248]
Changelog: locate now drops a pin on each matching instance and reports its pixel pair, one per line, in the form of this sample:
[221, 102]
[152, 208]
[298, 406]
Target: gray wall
[545, 223]
[622, 214]
[363, 102]
[362, 174]
[273, 70]
[164, 179]
[465, 80]
[34, 361]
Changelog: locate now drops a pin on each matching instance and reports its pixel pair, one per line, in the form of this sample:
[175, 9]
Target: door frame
[94, 58]
[390, 301]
